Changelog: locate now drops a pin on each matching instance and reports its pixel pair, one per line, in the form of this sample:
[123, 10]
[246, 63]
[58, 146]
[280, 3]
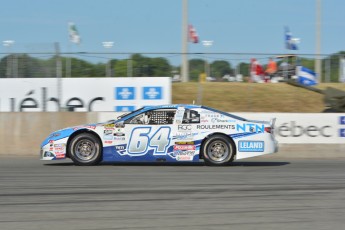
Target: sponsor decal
[293, 129]
[51, 145]
[59, 147]
[108, 142]
[108, 134]
[184, 142]
[119, 147]
[254, 128]
[211, 114]
[215, 126]
[183, 155]
[184, 128]
[184, 147]
[184, 136]
[119, 138]
[85, 127]
[59, 155]
[216, 120]
[179, 115]
[251, 146]
[119, 134]
[204, 120]
[54, 135]
[109, 126]
[120, 125]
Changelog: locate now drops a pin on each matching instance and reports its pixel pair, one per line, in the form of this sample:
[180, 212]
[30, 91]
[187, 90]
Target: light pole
[9, 68]
[207, 65]
[185, 64]
[108, 45]
[318, 67]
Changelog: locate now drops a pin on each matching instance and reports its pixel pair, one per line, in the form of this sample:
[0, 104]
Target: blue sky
[235, 26]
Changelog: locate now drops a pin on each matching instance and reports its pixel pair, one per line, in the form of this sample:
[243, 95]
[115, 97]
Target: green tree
[244, 69]
[196, 67]
[220, 68]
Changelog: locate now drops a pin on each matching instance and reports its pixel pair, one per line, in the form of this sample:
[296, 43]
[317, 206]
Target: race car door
[149, 135]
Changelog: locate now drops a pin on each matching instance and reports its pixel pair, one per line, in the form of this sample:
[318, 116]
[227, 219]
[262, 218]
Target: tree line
[26, 66]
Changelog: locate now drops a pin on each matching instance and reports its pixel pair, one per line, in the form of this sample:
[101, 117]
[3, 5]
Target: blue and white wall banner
[124, 93]
[83, 94]
[123, 108]
[152, 93]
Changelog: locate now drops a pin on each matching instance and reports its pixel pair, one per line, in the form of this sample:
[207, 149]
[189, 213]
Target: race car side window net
[161, 117]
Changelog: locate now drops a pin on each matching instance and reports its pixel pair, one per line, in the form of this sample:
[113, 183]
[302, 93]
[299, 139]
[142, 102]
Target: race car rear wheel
[218, 150]
[85, 149]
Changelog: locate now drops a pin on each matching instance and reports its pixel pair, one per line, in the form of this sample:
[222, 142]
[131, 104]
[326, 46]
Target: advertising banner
[83, 94]
[305, 128]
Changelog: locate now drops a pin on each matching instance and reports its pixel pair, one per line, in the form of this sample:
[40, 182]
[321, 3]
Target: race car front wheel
[85, 149]
[218, 150]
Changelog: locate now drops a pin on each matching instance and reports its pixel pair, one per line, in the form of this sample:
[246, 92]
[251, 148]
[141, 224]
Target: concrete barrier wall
[22, 134]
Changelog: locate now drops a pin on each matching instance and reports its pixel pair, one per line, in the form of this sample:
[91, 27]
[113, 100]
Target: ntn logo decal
[258, 128]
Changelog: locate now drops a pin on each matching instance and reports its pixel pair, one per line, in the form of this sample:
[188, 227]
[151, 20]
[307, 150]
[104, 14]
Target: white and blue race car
[169, 133]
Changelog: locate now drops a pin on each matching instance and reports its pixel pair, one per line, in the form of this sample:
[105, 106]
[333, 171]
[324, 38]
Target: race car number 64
[140, 140]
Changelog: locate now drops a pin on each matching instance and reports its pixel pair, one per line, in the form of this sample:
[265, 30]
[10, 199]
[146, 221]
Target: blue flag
[290, 42]
[306, 76]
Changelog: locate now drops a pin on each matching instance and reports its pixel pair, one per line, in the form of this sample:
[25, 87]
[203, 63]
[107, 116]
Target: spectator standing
[256, 71]
[271, 68]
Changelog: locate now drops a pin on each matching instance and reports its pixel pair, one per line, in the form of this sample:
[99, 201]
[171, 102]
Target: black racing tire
[218, 150]
[85, 149]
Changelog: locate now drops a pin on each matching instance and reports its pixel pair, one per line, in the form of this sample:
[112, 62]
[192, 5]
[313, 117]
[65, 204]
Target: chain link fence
[45, 61]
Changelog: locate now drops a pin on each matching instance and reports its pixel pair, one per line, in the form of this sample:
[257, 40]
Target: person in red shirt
[256, 71]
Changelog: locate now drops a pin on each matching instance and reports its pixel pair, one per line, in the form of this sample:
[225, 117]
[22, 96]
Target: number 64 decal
[140, 140]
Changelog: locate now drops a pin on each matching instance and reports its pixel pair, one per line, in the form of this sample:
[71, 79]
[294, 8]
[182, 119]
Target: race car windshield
[125, 114]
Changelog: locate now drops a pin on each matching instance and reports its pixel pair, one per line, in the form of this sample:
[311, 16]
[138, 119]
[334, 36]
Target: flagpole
[185, 66]
[318, 67]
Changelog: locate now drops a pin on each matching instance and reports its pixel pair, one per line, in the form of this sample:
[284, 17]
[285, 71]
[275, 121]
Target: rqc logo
[184, 127]
[293, 130]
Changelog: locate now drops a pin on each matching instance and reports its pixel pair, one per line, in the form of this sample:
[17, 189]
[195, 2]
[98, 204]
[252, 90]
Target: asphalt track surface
[252, 194]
